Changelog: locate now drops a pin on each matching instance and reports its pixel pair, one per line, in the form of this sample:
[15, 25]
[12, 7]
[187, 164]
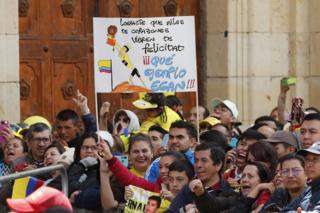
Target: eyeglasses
[294, 171]
[44, 139]
[86, 148]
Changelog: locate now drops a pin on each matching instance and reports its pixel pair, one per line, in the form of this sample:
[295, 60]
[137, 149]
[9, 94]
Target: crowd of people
[173, 161]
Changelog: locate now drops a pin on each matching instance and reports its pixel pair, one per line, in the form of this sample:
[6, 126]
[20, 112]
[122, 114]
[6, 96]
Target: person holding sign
[154, 104]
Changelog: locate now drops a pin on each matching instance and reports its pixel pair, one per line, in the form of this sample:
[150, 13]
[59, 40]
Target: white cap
[106, 136]
[229, 104]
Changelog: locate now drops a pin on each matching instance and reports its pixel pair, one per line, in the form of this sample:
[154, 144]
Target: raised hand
[196, 187]
[82, 102]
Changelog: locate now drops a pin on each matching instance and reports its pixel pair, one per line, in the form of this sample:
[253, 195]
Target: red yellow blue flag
[105, 66]
[22, 187]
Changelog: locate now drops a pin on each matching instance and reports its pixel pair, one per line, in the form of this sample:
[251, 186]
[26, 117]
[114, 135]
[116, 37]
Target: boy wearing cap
[226, 111]
[309, 200]
[157, 112]
[284, 143]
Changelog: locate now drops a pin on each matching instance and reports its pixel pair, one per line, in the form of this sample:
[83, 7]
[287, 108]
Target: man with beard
[236, 158]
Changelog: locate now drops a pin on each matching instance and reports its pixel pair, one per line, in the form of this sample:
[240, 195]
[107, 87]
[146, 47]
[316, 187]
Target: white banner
[145, 54]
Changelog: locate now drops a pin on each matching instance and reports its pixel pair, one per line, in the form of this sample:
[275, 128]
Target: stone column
[9, 61]
[252, 44]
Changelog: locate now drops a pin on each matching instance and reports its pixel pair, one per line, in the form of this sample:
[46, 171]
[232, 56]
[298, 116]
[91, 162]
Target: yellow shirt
[165, 123]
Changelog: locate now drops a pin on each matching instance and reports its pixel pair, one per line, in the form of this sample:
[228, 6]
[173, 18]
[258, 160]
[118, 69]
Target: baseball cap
[37, 119]
[209, 120]
[229, 104]
[314, 149]
[40, 200]
[106, 136]
[283, 137]
[145, 102]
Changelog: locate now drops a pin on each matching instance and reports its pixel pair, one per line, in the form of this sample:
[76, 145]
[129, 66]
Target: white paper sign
[145, 54]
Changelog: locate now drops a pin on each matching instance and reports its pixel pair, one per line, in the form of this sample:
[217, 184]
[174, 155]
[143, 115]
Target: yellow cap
[37, 119]
[210, 120]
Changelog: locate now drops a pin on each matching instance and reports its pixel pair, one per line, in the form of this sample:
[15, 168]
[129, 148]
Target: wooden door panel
[66, 18]
[67, 78]
[29, 14]
[56, 47]
[30, 89]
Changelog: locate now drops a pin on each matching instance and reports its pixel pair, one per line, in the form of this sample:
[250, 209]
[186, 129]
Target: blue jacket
[308, 200]
[153, 172]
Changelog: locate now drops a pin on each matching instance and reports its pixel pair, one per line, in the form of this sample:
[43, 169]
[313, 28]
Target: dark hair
[206, 112]
[264, 152]
[37, 127]
[158, 128]
[176, 155]
[160, 100]
[182, 165]
[156, 198]
[264, 172]
[312, 116]
[217, 155]
[189, 127]
[83, 138]
[56, 145]
[312, 109]
[215, 138]
[139, 137]
[252, 134]
[264, 118]
[68, 114]
[172, 101]
[292, 156]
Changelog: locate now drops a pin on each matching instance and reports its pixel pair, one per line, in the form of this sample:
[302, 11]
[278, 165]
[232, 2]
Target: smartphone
[165, 140]
[289, 81]
[3, 125]
[123, 159]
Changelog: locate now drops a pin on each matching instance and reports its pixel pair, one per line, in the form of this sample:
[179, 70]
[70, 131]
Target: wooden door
[56, 49]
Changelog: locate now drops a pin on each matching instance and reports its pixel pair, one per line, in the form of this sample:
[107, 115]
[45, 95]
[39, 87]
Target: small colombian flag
[22, 187]
[105, 66]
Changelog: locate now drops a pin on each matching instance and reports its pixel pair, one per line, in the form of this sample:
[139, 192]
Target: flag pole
[111, 76]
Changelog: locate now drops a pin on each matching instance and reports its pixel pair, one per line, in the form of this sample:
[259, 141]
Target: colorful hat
[40, 200]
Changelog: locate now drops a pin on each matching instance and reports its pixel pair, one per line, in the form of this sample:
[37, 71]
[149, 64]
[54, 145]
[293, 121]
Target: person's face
[165, 162]
[241, 150]
[13, 149]
[309, 133]
[121, 123]
[281, 150]
[312, 166]
[193, 115]
[267, 131]
[140, 155]
[204, 167]
[177, 180]
[51, 156]
[294, 177]
[278, 180]
[152, 206]
[249, 179]
[156, 140]
[223, 113]
[67, 130]
[88, 148]
[38, 144]
[179, 140]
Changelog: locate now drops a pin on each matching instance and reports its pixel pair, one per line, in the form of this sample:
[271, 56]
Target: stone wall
[252, 44]
[9, 61]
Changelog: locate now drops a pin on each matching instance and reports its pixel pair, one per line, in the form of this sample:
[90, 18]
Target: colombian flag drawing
[22, 187]
[105, 66]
